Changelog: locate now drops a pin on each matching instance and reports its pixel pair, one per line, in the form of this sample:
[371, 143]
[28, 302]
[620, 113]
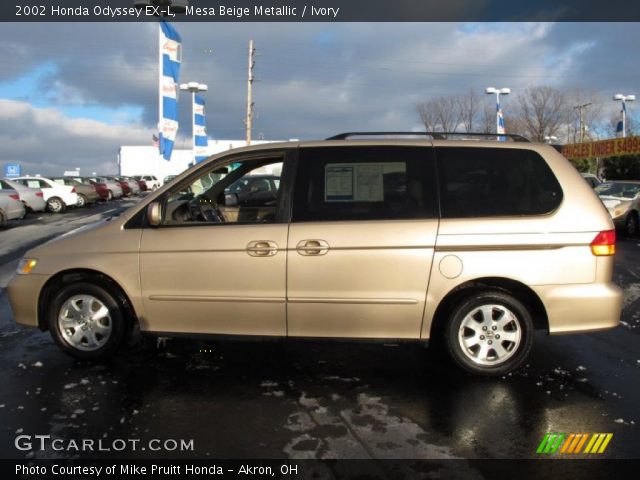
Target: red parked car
[101, 188]
[126, 189]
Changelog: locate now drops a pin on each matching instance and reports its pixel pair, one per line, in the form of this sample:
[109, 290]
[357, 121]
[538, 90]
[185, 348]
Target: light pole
[624, 99]
[581, 122]
[499, 117]
[194, 88]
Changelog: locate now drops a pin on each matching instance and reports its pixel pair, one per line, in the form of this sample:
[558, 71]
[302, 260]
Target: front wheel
[87, 322]
[489, 333]
[631, 225]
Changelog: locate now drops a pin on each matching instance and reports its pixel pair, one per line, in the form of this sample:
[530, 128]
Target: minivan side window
[489, 182]
[364, 183]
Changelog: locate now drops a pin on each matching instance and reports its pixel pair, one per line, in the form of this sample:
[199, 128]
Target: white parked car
[151, 180]
[33, 198]
[57, 196]
[11, 207]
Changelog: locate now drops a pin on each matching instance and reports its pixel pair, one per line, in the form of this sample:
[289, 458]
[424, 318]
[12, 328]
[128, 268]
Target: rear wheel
[109, 195]
[490, 333]
[631, 225]
[82, 200]
[87, 321]
[3, 219]
[55, 205]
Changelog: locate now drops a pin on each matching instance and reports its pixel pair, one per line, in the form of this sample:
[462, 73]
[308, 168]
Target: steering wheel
[205, 211]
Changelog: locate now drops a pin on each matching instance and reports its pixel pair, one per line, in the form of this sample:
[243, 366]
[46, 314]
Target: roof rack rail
[434, 135]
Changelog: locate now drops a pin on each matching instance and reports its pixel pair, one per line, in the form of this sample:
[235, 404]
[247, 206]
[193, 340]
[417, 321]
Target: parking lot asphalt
[312, 399]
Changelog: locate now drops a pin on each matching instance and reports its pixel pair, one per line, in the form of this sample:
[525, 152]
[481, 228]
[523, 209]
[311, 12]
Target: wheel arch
[67, 277]
[519, 290]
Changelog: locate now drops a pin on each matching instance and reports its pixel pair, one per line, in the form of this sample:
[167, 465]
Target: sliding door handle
[312, 247]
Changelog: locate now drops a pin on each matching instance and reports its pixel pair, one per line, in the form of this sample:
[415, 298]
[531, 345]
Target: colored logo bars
[200, 142]
[170, 52]
[574, 443]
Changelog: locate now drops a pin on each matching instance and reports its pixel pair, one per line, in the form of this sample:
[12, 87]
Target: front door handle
[262, 248]
[312, 247]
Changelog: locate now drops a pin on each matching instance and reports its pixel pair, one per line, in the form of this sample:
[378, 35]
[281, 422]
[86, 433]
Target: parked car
[11, 207]
[33, 198]
[114, 189]
[255, 189]
[126, 188]
[58, 197]
[133, 184]
[591, 179]
[101, 189]
[375, 239]
[141, 183]
[622, 199]
[151, 180]
[87, 194]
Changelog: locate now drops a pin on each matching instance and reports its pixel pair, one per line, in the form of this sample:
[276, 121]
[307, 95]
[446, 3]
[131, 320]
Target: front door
[213, 267]
[361, 241]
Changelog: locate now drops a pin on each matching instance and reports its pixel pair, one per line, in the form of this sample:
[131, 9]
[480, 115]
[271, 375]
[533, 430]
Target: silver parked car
[11, 208]
[114, 188]
[33, 198]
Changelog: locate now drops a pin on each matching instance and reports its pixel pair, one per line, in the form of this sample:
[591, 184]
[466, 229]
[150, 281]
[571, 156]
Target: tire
[76, 332]
[109, 196]
[55, 205]
[498, 347]
[631, 225]
[3, 219]
[82, 200]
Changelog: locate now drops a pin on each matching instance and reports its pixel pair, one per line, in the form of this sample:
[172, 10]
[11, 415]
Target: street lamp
[624, 99]
[499, 117]
[194, 88]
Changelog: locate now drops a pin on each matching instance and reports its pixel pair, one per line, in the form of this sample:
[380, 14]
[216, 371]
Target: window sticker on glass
[358, 182]
[338, 183]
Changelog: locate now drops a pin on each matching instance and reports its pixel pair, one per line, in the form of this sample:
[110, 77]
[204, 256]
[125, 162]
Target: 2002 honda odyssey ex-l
[473, 243]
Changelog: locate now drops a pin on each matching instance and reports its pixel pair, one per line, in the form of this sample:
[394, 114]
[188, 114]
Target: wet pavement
[310, 399]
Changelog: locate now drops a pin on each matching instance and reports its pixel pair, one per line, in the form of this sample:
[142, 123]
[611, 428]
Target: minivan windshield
[618, 189]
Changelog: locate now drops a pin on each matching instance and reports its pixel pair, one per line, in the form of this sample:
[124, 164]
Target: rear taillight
[15, 196]
[39, 194]
[73, 189]
[604, 244]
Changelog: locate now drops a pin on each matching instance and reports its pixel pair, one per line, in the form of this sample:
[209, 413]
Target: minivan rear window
[489, 182]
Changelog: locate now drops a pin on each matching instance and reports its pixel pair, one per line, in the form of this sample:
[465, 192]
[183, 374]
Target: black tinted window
[485, 182]
[364, 183]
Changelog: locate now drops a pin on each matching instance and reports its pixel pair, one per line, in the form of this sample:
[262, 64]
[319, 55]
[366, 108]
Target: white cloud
[45, 141]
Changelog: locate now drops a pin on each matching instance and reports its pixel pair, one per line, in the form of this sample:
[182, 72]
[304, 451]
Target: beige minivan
[473, 243]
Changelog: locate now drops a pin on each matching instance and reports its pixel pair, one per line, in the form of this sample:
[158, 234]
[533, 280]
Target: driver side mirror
[154, 214]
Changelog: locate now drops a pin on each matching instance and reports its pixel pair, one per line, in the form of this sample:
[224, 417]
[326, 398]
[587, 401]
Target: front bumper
[24, 292]
[581, 308]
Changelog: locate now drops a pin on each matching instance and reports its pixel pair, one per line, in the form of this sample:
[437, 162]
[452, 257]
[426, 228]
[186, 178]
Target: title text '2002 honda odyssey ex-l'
[474, 243]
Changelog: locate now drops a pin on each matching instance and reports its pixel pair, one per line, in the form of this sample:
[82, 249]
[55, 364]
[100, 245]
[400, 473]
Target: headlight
[26, 265]
[620, 209]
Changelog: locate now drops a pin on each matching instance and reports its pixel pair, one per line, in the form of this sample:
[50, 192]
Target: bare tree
[540, 111]
[468, 106]
[488, 119]
[439, 114]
